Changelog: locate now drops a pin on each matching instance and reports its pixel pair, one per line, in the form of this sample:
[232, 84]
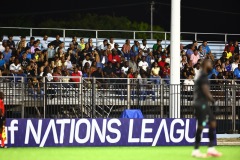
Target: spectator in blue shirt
[2, 63]
[190, 51]
[207, 51]
[7, 54]
[236, 72]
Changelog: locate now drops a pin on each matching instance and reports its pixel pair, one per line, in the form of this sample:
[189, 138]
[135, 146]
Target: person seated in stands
[116, 47]
[157, 45]
[90, 45]
[21, 48]
[61, 48]
[103, 46]
[236, 48]
[135, 48]
[190, 52]
[34, 88]
[93, 67]
[143, 64]
[234, 65]
[34, 47]
[31, 42]
[183, 62]
[56, 74]
[87, 60]
[188, 87]
[207, 51]
[99, 75]
[74, 42]
[68, 64]
[108, 70]
[81, 44]
[3, 66]
[150, 59]
[187, 71]
[11, 43]
[124, 69]
[130, 73]
[189, 46]
[7, 54]
[115, 58]
[16, 69]
[133, 64]
[24, 61]
[201, 53]
[166, 73]
[144, 47]
[236, 73]
[229, 47]
[162, 63]
[229, 52]
[158, 53]
[56, 42]
[76, 76]
[117, 70]
[194, 57]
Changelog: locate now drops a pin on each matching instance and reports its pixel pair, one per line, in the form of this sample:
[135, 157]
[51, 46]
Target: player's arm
[206, 91]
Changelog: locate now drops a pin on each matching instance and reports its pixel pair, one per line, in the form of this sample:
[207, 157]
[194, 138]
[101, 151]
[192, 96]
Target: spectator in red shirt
[230, 46]
[166, 73]
[162, 63]
[76, 76]
[115, 57]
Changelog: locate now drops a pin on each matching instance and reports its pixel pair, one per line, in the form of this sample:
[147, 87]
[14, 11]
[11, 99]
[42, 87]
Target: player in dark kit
[203, 113]
[2, 119]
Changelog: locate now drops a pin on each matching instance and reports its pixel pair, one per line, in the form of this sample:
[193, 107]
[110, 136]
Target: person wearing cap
[155, 46]
[116, 45]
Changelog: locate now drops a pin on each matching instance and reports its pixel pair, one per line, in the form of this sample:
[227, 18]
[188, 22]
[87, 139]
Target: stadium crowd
[39, 58]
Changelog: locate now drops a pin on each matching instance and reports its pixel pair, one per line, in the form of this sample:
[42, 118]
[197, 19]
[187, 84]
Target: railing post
[81, 94]
[234, 106]
[128, 93]
[93, 97]
[31, 32]
[96, 38]
[134, 35]
[64, 35]
[161, 98]
[22, 96]
[225, 39]
[45, 97]
[195, 36]
[165, 38]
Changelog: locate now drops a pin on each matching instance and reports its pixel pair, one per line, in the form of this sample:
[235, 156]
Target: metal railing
[194, 35]
[108, 98]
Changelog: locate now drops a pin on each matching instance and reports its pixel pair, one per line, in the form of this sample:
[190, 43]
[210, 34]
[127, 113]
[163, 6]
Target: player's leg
[211, 150]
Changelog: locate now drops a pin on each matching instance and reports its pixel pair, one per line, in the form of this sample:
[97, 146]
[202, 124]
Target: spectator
[189, 46]
[61, 48]
[187, 71]
[90, 45]
[117, 70]
[7, 54]
[144, 47]
[11, 43]
[30, 43]
[50, 52]
[230, 47]
[44, 42]
[150, 59]
[197, 71]
[157, 45]
[2, 48]
[133, 64]
[124, 69]
[158, 53]
[126, 48]
[162, 63]
[139, 57]
[155, 73]
[23, 41]
[93, 67]
[56, 74]
[235, 64]
[35, 45]
[229, 53]
[115, 58]
[87, 60]
[20, 48]
[56, 42]
[2, 64]
[81, 44]
[201, 52]
[74, 42]
[190, 51]
[207, 51]
[68, 64]
[236, 72]
[224, 57]
[24, 61]
[166, 73]
[117, 49]
[130, 73]
[194, 57]
[143, 64]
[183, 61]
[111, 42]
[16, 69]
[188, 85]
[103, 46]
[135, 48]
[76, 75]
[236, 48]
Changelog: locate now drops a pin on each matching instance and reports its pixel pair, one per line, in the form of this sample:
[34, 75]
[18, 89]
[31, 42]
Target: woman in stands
[155, 73]
[130, 73]
[90, 44]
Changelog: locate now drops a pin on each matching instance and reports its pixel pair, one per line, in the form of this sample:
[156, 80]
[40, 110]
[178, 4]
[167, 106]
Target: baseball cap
[116, 44]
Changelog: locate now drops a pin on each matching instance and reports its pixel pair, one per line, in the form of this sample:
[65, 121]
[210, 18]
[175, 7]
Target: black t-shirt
[108, 70]
[198, 88]
[24, 62]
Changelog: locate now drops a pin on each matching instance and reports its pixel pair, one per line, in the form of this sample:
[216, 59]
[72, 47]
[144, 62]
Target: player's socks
[197, 138]
[211, 137]
[213, 152]
[2, 141]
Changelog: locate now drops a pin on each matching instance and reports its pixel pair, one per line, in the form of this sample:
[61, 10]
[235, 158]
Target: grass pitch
[112, 153]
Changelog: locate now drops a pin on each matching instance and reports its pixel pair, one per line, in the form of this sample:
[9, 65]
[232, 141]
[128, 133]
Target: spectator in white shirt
[197, 71]
[103, 46]
[87, 59]
[143, 64]
[16, 69]
[2, 48]
[235, 64]
[44, 42]
[144, 47]
[188, 83]
[124, 69]
[111, 42]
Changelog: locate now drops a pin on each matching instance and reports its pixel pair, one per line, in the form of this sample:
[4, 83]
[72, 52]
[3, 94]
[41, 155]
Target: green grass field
[112, 153]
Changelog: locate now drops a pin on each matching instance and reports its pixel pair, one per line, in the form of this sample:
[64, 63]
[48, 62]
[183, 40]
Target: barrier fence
[108, 98]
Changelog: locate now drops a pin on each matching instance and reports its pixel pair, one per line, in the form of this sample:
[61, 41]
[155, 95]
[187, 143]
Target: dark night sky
[222, 17]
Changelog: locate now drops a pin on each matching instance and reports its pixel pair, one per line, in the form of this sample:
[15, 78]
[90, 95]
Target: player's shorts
[2, 119]
[203, 113]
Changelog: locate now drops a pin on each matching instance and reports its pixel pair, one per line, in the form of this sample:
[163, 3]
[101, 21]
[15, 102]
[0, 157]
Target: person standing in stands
[81, 44]
[207, 51]
[44, 42]
[144, 47]
[11, 43]
[158, 44]
[126, 48]
[236, 48]
[30, 43]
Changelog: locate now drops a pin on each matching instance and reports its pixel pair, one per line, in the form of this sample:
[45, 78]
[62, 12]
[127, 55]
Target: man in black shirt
[203, 113]
[56, 42]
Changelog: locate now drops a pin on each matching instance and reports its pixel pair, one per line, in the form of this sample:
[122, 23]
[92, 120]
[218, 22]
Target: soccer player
[203, 113]
[2, 119]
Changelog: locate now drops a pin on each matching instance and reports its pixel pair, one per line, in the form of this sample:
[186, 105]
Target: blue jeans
[155, 80]
[127, 56]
